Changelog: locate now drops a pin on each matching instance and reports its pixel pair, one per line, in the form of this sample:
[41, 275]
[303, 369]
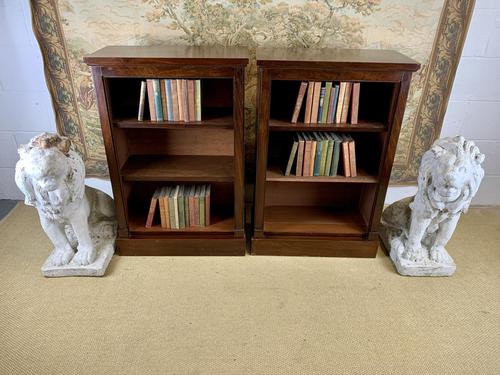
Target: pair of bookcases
[292, 215]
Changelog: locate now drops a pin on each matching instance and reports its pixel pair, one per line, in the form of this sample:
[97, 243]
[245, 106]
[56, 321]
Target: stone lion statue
[417, 229]
[51, 175]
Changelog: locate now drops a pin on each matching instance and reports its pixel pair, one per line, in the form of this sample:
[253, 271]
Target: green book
[202, 206]
[180, 199]
[171, 208]
[186, 205]
[293, 152]
[324, 151]
[336, 153]
[324, 113]
[317, 156]
[157, 102]
[329, 154]
[197, 95]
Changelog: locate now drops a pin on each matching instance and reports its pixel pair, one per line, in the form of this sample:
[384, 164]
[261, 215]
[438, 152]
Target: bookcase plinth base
[180, 246]
[357, 248]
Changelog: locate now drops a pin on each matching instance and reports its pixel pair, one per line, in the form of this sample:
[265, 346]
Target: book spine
[313, 157]
[291, 159]
[352, 159]
[355, 103]
[309, 99]
[317, 157]
[324, 151]
[202, 207]
[161, 204]
[170, 105]
[171, 211]
[347, 100]
[336, 156]
[185, 102]
[163, 96]
[207, 205]
[191, 100]
[180, 99]
[197, 95]
[321, 104]
[345, 158]
[151, 100]
[298, 103]
[326, 103]
[175, 100]
[338, 114]
[334, 104]
[186, 208]
[142, 99]
[180, 204]
[176, 209]
[197, 209]
[307, 158]
[300, 158]
[315, 105]
[152, 210]
[157, 100]
[329, 155]
[191, 209]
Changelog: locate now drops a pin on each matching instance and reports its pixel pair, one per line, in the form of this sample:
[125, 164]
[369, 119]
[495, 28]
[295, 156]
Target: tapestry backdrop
[430, 31]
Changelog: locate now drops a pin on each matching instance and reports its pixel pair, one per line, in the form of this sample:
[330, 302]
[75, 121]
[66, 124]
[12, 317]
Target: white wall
[474, 107]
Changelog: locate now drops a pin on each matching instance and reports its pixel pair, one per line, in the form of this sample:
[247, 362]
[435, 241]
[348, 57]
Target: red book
[151, 100]
[207, 206]
[355, 103]
[180, 99]
[152, 208]
[346, 160]
[191, 100]
[347, 100]
[185, 103]
[310, 92]
[298, 103]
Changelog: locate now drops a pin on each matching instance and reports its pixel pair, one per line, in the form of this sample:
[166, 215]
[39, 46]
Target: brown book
[191, 205]
[185, 102]
[346, 160]
[207, 205]
[300, 155]
[161, 204]
[309, 98]
[313, 157]
[315, 104]
[180, 99]
[307, 154]
[298, 103]
[355, 103]
[152, 208]
[197, 206]
[340, 102]
[175, 101]
[191, 100]
[163, 94]
[151, 100]
[352, 157]
[347, 100]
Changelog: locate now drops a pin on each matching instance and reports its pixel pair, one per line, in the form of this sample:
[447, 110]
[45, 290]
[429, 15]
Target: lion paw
[85, 256]
[62, 256]
[438, 254]
[417, 254]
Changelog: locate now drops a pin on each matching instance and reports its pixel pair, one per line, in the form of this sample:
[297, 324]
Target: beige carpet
[250, 315]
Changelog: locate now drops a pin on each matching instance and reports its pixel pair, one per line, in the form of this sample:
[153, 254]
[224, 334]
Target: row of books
[321, 153]
[171, 99]
[181, 206]
[328, 103]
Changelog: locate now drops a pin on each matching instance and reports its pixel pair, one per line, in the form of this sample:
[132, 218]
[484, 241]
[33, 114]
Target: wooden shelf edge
[223, 122]
[274, 174]
[362, 126]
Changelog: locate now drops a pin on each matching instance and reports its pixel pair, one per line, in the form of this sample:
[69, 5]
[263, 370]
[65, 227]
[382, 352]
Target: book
[180, 99]
[291, 158]
[197, 206]
[175, 100]
[202, 205]
[352, 156]
[307, 154]
[340, 101]
[309, 98]
[355, 103]
[337, 141]
[163, 97]
[152, 208]
[298, 102]
[186, 205]
[324, 151]
[326, 103]
[300, 155]
[151, 100]
[169, 104]
[180, 204]
[185, 101]
[321, 104]
[165, 219]
[329, 154]
[176, 206]
[142, 99]
[207, 205]
[191, 100]
[317, 155]
[192, 191]
[347, 100]
[157, 100]
[197, 96]
[333, 107]
[345, 156]
[315, 103]
[171, 208]
[313, 156]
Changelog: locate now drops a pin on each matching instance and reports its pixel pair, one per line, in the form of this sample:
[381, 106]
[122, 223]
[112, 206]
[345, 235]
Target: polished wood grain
[219, 225]
[225, 122]
[362, 126]
[275, 173]
[179, 168]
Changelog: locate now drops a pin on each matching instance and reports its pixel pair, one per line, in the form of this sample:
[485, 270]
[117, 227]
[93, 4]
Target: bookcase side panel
[239, 153]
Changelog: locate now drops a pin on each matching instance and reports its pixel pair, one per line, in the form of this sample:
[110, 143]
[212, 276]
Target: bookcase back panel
[180, 142]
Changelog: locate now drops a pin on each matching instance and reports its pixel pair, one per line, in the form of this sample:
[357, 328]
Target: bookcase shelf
[325, 215]
[145, 155]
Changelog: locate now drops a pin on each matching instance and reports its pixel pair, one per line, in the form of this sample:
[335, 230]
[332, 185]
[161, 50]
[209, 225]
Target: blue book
[157, 96]
[321, 104]
[317, 158]
[335, 100]
[168, 92]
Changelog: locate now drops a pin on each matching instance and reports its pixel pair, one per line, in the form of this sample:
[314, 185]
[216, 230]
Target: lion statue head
[50, 173]
[450, 174]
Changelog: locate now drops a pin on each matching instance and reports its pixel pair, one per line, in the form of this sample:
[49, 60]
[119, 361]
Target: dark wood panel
[178, 168]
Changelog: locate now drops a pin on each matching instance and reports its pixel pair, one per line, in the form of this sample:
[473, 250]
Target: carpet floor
[250, 315]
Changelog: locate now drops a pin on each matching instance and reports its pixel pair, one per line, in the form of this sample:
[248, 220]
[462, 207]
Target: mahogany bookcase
[326, 216]
[143, 155]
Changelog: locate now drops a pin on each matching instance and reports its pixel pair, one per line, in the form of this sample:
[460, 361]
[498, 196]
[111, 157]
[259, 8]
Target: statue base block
[98, 268]
[425, 268]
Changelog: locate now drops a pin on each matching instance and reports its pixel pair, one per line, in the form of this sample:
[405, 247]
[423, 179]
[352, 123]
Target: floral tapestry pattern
[430, 31]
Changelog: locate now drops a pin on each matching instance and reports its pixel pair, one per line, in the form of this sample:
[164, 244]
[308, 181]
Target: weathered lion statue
[417, 229]
[51, 175]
